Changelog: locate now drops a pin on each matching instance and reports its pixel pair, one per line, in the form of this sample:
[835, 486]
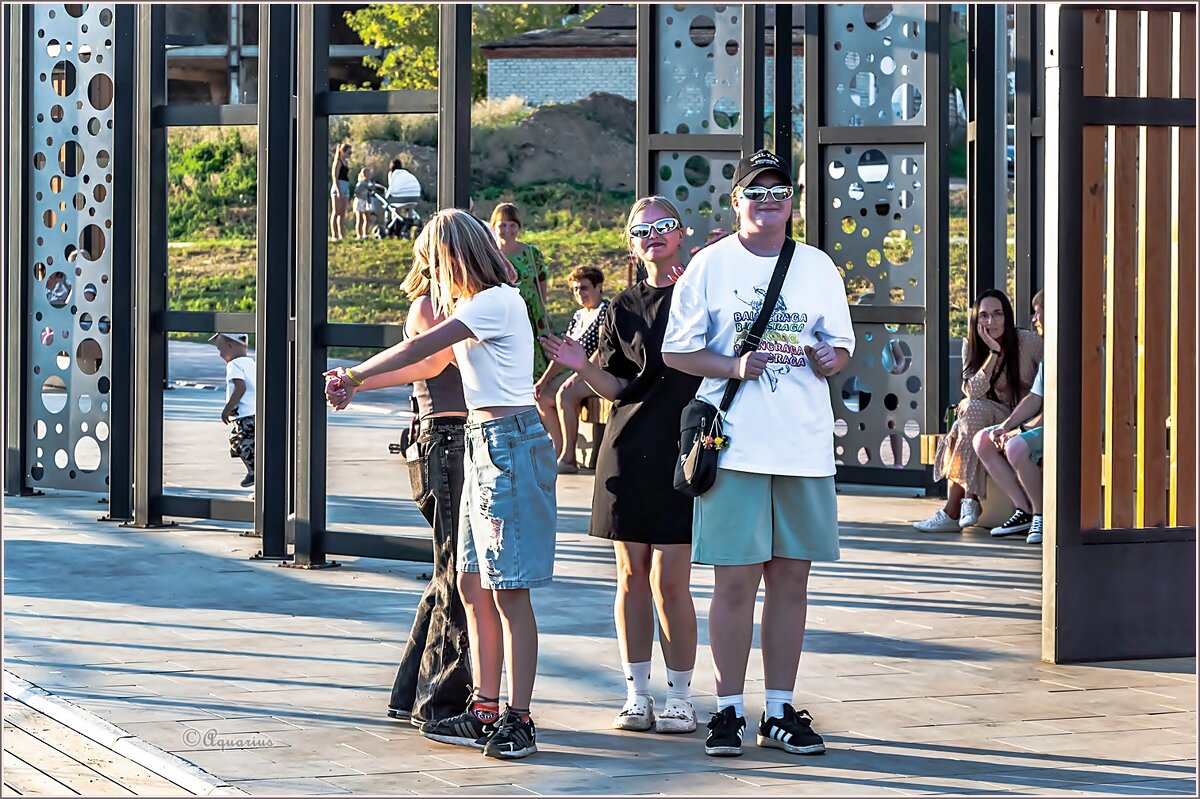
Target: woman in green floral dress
[532, 276]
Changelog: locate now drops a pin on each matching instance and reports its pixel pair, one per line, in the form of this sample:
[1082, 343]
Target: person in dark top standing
[433, 681]
[635, 504]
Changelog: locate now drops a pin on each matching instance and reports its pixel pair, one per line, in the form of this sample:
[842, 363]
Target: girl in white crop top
[510, 464]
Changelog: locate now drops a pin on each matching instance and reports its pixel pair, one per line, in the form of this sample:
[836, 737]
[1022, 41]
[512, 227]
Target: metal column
[150, 266]
[312, 253]
[1029, 169]
[275, 170]
[16, 281]
[454, 106]
[987, 172]
[120, 442]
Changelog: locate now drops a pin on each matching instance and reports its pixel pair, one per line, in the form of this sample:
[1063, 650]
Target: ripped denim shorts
[508, 513]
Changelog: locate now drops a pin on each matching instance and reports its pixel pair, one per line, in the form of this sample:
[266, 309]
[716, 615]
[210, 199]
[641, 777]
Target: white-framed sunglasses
[663, 226]
[757, 194]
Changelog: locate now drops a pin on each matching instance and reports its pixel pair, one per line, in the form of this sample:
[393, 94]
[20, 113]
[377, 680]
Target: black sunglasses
[663, 226]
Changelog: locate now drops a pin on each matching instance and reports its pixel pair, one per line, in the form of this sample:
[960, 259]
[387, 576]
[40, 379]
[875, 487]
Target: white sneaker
[1035, 531]
[939, 522]
[637, 714]
[968, 516]
[678, 716]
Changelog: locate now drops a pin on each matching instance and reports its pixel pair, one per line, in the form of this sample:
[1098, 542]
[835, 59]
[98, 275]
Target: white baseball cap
[240, 338]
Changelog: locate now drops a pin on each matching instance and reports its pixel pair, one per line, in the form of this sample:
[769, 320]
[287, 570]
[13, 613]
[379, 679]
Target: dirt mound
[589, 142]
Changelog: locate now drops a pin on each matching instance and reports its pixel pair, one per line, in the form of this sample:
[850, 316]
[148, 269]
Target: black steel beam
[272, 379]
[150, 267]
[378, 545]
[753, 49]
[120, 407]
[781, 89]
[229, 510]
[888, 314]
[695, 142]
[390, 102]
[987, 225]
[643, 173]
[204, 321]
[814, 115]
[937, 222]
[1029, 157]
[1148, 111]
[16, 283]
[872, 134]
[311, 282]
[186, 116]
[454, 106]
[356, 335]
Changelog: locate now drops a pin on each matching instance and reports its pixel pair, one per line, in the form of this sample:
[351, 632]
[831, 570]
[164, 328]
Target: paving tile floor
[921, 667]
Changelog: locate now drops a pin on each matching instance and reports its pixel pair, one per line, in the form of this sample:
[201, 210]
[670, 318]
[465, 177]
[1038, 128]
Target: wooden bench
[593, 418]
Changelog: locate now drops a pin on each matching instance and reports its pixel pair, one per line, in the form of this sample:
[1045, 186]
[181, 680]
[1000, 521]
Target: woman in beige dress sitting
[999, 364]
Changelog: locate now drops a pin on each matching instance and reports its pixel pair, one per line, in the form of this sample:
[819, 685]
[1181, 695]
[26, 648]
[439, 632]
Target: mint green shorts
[748, 518]
[1033, 437]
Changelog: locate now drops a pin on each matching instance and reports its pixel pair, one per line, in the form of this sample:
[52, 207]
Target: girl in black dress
[635, 504]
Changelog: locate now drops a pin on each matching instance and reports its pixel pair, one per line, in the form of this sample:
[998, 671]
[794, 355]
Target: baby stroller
[396, 216]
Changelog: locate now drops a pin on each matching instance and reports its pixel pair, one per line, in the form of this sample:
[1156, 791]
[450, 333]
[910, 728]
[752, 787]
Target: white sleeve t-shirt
[781, 423]
[1038, 382]
[497, 362]
[243, 369]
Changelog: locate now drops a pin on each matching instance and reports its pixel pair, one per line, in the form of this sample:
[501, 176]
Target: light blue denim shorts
[508, 514]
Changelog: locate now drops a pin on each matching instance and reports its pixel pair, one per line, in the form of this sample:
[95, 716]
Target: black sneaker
[792, 733]
[401, 715]
[1019, 522]
[247, 481]
[725, 732]
[465, 729]
[514, 737]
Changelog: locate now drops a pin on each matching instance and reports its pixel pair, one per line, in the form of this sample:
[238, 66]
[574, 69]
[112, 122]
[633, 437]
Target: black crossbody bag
[701, 423]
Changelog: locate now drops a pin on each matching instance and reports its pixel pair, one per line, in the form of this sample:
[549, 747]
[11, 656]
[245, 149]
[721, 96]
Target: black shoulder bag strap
[754, 337]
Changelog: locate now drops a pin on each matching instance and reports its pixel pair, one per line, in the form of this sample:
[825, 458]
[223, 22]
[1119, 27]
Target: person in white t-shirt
[239, 398]
[773, 508]
[402, 184]
[510, 465]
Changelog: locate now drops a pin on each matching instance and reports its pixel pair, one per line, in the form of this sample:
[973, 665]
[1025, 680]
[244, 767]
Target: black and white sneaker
[1035, 531]
[792, 733]
[725, 732]
[514, 737]
[465, 729]
[1019, 522]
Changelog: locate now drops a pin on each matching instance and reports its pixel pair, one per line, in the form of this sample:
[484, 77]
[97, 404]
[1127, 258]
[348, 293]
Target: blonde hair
[416, 282]
[461, 255]
[642, 204]
[342, 148]
[364, 173]
[505, 212]
[1039, 300]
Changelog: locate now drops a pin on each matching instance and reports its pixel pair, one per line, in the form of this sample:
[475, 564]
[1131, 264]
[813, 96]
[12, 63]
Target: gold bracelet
[354, 378]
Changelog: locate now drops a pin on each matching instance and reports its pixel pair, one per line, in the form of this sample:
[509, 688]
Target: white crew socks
[637, 679]
[775, 702]
[738, 702]
[679, 684]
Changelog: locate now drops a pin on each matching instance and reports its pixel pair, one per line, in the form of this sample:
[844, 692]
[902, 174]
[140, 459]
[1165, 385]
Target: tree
[408, 35]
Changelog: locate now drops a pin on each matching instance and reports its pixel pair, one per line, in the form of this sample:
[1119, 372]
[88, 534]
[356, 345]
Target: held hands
[339, 389]
[823, 358]
[566, 351]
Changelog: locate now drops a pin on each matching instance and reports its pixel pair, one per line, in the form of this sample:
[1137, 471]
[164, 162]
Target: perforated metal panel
[699, 74]
[878, 402]
[875, 211]
[875, 64]
[71, 69]
[699, 185]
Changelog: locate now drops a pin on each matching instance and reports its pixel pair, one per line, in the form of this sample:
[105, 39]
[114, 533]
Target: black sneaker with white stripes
[791, 733]
[725, 732]
[465, 729]
[1019, 522]
[514, 737]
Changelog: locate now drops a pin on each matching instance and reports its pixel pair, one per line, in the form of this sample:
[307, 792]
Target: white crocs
[636, 715]
[678, 716]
